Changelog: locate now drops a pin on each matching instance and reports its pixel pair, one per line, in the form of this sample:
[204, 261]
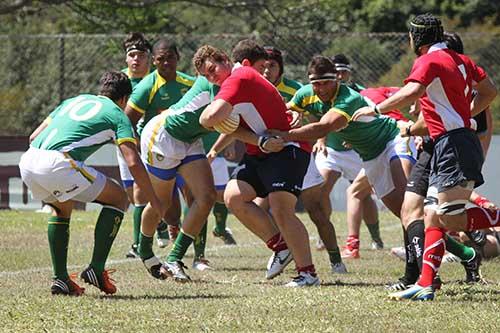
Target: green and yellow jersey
[133, 80]
[288, 88]
[154, 94]
[81, 125]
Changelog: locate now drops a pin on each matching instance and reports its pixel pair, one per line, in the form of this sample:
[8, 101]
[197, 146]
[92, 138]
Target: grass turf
[234, 297]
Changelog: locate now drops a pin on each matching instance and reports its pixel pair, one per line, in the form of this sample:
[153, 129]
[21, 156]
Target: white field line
[113, 262]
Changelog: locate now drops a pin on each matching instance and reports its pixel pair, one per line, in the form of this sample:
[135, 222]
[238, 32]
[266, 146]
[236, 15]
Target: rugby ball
[228, 125]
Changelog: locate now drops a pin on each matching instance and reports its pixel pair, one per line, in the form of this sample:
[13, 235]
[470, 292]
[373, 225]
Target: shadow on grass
[353, 284]
[242, 269]
[161, 297]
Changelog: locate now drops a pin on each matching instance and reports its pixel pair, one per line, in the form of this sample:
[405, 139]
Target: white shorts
[125, 175]
[348, 162]
[220, 172]
[378, 169]
[162, 153]
[405, 148]
[53, 176]
[312, 177]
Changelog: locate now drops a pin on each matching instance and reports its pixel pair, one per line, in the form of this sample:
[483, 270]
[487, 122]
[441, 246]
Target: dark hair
[340, 59]
[136, 41]
[454, 42]
[426, 29]
[166, 44]
[320, 65]
[274, 53]
[248, 49]
[115, 85]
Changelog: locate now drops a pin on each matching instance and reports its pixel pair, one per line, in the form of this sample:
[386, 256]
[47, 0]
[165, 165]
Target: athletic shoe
[415, 293]
[173, 231]
[66, 287]
[277, 263]
[227, 236]
[175, 270]
[377, 244]
[102, 281]
[153, 265]
[472, 269]
[401, 284]
[320, 246]
[162, 236]
[201, 264]
[347, 253]
[304, 279]
[399, 252]
[450, 257]
[132, 253]
[338, 268]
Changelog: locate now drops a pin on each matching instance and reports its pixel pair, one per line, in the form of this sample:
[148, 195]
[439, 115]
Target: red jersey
[378, 95]
[258, 103]
[448, 78]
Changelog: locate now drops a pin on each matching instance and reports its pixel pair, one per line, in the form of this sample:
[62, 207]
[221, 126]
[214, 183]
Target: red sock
[480, 218]
[307, 269]
[352, 242]
[433, 254]
[277, 243]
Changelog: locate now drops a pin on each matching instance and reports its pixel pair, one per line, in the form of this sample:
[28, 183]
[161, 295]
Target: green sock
[145, 247]
[220, 213]
[335, 255]
[185, 211]
[462, 251]
[374, 230]
[106, 228]
[180, 247]
[200, 243]
[58, 234]
[137, 222]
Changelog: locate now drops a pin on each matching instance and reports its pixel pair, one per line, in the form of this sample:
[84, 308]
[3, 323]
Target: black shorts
[282, 171]
[418, 182]
[482, 124]
[458, 157]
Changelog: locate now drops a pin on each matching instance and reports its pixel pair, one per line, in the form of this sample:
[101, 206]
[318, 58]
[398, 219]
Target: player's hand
[296, 120]
[320, 148]
[403, 129]
[273, 144]
[346, 145]
[211, 155]
[419, 142]
[230, 152]
[363, 112]
[275, 132]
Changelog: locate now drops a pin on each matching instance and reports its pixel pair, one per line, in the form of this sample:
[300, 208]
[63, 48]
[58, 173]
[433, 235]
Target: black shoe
[472, 269]
[227, 236]
[132, 253]
[102, 281]
[66, 287]
[403, 283]
[153, 265]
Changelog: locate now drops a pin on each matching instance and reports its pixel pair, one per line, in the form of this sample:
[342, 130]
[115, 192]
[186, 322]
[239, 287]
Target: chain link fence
[42, 70]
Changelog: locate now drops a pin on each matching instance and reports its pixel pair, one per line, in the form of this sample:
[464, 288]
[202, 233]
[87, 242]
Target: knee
[207, 199]
[121, 200]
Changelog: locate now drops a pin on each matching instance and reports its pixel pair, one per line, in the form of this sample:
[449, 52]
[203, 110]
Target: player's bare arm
[132, 114]
[215, 113]
[486, 93]
[39, 130]
[411, 92]
[136, 167]
[418, 128]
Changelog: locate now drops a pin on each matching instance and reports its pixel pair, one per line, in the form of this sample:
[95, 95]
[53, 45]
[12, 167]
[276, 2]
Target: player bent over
[54, 170]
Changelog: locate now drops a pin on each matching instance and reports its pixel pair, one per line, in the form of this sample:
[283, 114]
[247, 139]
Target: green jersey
[81, 125]
[154, 94]
[133, 80]
[183, 118]
[288, 88]
[305, 100]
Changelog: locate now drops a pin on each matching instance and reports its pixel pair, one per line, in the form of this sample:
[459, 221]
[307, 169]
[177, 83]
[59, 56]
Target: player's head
[116, 86]
[323, 77]
[343, 67]
[248, 53]
[454, 42]
[273, 67]
[212, 63]
[137, 49]
[165, 56]
[425, 29]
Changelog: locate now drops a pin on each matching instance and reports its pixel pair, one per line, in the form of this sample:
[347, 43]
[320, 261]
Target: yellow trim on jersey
[310, 100]
[282, 87]
[122, 140]
[82, 171]
[47, 120]
[156, 129]
[184, 81]
[345, 114]
[135, 107]
[159, 82]
[295, 107]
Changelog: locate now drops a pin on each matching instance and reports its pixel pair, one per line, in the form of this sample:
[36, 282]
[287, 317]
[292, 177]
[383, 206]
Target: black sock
[411, 267]
[416, 236]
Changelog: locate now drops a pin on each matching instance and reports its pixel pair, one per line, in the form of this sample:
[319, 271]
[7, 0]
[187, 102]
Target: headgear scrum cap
[425, 29]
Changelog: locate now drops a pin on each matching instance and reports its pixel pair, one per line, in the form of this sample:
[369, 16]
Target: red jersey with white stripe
[258, 103]
[448, 78]
[380, 94]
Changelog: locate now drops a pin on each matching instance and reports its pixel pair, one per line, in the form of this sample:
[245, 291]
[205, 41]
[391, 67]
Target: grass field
[234, 297]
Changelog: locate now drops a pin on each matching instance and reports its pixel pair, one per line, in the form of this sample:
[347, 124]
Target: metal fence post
[61, 68]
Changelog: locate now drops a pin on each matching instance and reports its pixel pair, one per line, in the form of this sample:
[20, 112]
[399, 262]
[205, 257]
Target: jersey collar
[437, 47]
